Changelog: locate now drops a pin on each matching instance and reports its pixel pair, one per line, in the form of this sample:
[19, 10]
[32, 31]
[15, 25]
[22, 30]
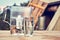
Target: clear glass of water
[28, 27]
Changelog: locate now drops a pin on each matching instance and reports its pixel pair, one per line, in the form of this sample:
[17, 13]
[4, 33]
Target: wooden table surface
[37, 35]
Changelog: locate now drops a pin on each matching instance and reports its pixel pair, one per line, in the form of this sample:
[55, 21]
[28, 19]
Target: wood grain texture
[37, 35]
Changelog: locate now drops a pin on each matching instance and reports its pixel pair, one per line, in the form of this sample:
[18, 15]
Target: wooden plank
[38, 6]
[57, 26]
[54, 20]
[37, 35]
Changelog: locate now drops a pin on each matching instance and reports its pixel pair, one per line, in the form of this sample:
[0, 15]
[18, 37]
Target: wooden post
[39, 7]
